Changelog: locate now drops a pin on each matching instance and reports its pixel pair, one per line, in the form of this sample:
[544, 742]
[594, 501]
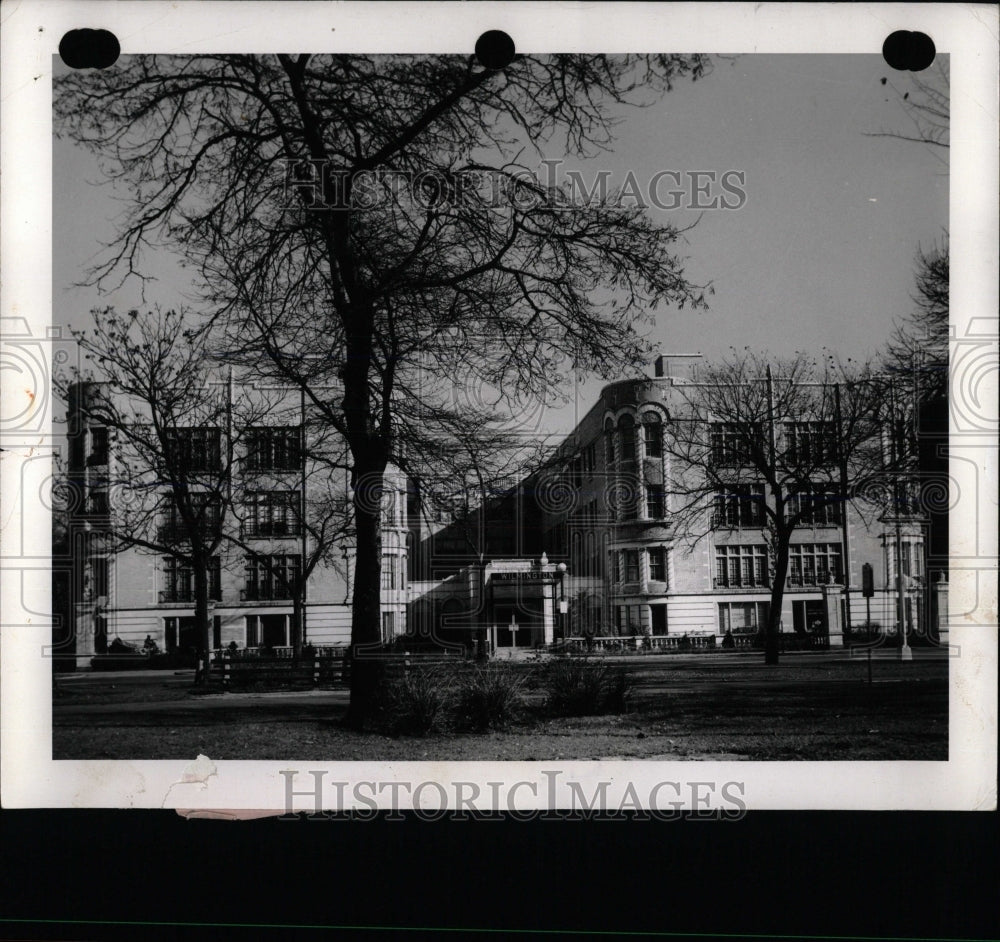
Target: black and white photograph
[512, 404]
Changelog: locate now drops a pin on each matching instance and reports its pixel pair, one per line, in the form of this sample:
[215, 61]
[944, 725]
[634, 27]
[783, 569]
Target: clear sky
[820, 255]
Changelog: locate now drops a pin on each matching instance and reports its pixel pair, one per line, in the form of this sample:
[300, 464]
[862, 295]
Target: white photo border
[31, 34]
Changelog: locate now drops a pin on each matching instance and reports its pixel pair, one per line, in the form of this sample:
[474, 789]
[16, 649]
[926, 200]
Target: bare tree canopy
[771, 445]
[178, 486]
[927, 108]
[361, 227]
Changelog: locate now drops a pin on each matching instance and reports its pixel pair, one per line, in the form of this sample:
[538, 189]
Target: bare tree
[926, 107]
[165, 420]
[765, 448]
[179, 483]
[362, 224]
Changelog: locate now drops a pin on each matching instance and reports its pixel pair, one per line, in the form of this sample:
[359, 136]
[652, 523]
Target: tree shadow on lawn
[781, 721]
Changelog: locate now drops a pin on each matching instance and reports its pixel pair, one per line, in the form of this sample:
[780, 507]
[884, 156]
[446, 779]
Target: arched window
[652, 435]
[626, 434]
[609, 443]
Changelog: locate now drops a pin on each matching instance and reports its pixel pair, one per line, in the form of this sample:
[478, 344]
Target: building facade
[272, 503]
[599, 542]
[638, 566]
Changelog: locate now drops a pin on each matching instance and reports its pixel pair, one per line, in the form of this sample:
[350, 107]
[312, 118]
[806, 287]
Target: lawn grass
[819, 710]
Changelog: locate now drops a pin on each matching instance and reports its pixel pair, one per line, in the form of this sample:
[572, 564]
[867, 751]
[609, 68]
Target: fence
[694, 642]
[622, 644]
[320, 667]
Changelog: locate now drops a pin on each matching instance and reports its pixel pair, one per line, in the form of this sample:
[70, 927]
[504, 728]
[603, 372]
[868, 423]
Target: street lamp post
[563, 605]
[905, 654]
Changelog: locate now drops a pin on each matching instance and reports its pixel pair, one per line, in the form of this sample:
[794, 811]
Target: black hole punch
[495, 50]
[89, 49]
[907, 51]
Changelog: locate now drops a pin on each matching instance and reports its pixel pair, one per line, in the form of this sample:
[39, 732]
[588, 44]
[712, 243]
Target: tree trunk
[202, 620]
[298, 618]
[366, 631]
[772, 634]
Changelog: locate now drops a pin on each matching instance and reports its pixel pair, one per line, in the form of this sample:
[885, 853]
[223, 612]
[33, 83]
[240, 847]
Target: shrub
[489, 696]
[582, 687]
[415, 703]
[616, 691]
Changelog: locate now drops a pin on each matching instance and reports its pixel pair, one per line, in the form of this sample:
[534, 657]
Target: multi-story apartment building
[639, 563]
[603, 541]
[600, 542]
[270, 508]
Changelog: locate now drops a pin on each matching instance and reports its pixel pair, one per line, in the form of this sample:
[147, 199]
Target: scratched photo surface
[549, 412]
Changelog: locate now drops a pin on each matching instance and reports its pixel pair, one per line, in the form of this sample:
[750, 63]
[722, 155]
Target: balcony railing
[186, 594]
[724, 522]
[810, 580]
[718, 583]
[271, 530]
[265, 593]
[171, 533]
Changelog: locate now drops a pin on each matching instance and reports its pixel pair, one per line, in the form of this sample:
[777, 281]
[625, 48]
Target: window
[614, 567]
[906, 498]
[207, 510]
[730, 443]
[178, 580]
[817, 505]
[182, 634]
[271, 577]
[269, 631]
[390, 504]
[658, 564]
[810, 443]
[590, 458]
[274, 449]
[629, 620]
[390, 572]
[609, 447]
[631, 565]
[912, 558]
[814, 563]
[194, 449]
[658, 619]
[98, 446]
[273, 513]
[655, 502]
[388, 626]
[741, 567]
[652, 436]
[739, 507]
[742, 617]
[627, 496]
[626, 428]
[592, 566]
[99, 575]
